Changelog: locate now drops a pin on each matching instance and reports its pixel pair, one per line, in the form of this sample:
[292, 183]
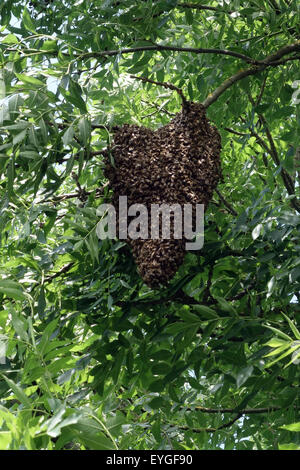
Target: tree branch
[247, 411]
[295, 47]
[228, 410]
[284, 61]
[229, 82]
[159, 47]
[270, 60]
[259, 65]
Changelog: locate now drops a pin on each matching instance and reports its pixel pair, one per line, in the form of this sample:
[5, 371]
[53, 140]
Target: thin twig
[242, 134]
[261, 92]
[228, 410]
[226, 203]
[195, 6]
[158, 107]
[63, 270]
[79, 194]
[265, 35]
[247, 411]
[170, 86]
[206, 293]
[223, 426]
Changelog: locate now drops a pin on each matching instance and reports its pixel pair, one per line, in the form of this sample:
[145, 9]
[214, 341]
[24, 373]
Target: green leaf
[117, 366]
[12, 290]
[18, 392]
[226, 306]
[114, 424]
[84, 130]
[289, 351]
[157, 386]
[10, 177]
[257, 231]
[10, 39]
[55, 424]
[156, 430]
[43, 129]
[191, 91]
[205, 311]
[49, 46]
[290, 446]
[156, 403]
[69, 166]
[243, 375]
[68, 135]
[20, 325]
[88, 432]
[28, 23]
[176, 328]
[189, 317]
[294, 427]
[28, 79]
[95, 441]
[279, 350]
[74, 96]
[5, 439]
[161, 368]
[276, 343]
[189, 16]
[279, 333]
[47, 332]
[292, 326]
[19, 137]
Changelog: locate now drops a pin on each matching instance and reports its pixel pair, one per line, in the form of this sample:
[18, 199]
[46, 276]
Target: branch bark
[232, 421]
[247, 411]
[160, 47]
[229, 82]
[195, 6]
[63, 270]
[259, 66]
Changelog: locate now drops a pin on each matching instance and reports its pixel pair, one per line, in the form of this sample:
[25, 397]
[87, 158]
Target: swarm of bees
[178, 163]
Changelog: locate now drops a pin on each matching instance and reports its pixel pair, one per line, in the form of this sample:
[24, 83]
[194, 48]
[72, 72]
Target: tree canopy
[90, 356]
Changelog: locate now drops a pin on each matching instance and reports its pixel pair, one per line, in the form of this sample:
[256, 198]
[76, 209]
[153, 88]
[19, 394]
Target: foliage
[91, 358]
